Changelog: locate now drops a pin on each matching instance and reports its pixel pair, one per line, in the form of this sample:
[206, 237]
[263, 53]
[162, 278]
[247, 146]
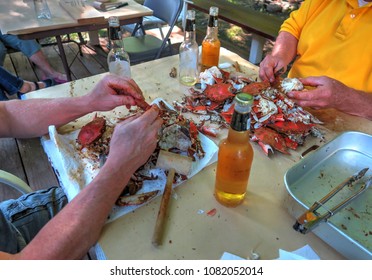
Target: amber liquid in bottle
[211, 44]
[235, 158]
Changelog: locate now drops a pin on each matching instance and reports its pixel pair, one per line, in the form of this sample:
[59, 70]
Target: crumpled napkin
[304, 253]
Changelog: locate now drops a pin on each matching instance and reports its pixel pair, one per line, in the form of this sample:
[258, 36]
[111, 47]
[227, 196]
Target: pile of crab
[178, 135]
[277, 123]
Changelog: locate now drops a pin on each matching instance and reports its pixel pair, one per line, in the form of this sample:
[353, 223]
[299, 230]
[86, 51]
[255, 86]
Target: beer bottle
[117, 59]
[211, 44]
[189, 53]
[235, 155]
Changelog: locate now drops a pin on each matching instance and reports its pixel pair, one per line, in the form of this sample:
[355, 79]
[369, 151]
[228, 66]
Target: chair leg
[161, 31]
[139, 26]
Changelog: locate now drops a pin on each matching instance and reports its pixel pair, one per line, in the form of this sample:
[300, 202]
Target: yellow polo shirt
[335, 40]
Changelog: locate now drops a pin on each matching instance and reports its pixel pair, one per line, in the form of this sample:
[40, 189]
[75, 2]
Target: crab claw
[142, 104]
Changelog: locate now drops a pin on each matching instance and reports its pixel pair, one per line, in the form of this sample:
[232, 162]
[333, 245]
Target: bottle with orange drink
[211, 44]
[235, 155]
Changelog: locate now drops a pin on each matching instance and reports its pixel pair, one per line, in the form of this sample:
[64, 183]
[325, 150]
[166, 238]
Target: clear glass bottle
[235, 156]
[189, 53]
[117, 59]
[211, 44]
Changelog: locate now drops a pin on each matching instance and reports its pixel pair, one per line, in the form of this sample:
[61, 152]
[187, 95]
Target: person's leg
[9, 82]
[32, 50]
[12, 84]
[3, 52]
[21, 219]
[41, 61]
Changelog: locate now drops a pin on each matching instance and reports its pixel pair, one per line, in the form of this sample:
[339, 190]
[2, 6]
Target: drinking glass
[42, 9]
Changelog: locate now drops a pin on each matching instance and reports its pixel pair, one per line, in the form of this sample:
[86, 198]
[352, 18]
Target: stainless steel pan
[350, 230]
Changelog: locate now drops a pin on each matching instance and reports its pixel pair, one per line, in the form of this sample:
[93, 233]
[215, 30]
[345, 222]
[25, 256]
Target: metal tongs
[310, 219]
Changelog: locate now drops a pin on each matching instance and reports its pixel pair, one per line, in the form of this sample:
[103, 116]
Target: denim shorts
[9, 83]
[21, 219]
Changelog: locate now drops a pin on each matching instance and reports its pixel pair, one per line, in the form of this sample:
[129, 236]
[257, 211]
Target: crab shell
[219, 92]
[91, 131]
[255, 87]
[268, 139]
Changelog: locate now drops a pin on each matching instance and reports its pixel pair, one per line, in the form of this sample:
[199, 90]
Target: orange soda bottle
[211, 44]
[235, 156]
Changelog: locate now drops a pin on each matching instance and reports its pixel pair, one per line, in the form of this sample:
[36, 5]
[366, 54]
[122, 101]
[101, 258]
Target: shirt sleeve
[297, 19]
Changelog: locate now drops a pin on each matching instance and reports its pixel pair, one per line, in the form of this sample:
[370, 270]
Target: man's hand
[113, 91]
[324, 92]
[270, 67]
[276, 63]
[330, 93]
[134, 140]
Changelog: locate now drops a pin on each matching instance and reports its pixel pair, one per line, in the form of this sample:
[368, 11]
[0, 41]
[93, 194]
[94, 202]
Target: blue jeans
[21, 219]
[27, 47]
[8, 83]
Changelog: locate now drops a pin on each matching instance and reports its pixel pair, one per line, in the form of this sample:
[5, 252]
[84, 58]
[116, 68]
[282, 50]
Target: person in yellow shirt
[330, 44]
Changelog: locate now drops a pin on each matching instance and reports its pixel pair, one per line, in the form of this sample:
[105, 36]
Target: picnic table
[263, 26]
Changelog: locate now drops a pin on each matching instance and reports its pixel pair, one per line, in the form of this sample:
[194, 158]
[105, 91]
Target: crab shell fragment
[92, 131]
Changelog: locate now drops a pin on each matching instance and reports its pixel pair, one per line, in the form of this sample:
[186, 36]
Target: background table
[19, 18]
[262, 224]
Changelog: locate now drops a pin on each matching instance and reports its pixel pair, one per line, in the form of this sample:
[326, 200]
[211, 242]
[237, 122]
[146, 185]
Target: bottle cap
[190, 14]
[243, 102]
[113, 21]
[213, 11]
[244, 98]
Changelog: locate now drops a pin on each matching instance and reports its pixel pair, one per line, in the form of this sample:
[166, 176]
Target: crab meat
[208, 77]
[289, 84]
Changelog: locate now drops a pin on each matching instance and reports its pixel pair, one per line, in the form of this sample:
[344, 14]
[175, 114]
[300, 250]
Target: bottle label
[240, 122]
[115, 33]
[190, 25]
[120, 68]
[213, 21]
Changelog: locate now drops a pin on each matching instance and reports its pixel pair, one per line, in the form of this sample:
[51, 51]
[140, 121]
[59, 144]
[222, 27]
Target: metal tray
[350, 230]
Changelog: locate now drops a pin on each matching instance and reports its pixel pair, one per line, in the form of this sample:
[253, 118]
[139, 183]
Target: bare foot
[58, 77]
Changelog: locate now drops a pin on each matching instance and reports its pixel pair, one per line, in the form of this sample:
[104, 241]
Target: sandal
[47, 82]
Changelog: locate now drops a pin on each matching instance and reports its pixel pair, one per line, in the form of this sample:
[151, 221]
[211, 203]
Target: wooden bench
[263, 26]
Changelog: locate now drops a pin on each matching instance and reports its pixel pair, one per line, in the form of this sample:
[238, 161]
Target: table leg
[256, 52]
[63, 57]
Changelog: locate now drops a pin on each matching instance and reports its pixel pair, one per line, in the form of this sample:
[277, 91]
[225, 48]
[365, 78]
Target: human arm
[71, 233]
[330, 93]
[284, 50]
[31, 118]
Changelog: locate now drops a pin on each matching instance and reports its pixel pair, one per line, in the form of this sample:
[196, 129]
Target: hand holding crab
[113, 91]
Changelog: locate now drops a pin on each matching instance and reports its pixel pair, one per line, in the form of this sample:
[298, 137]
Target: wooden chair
[148, 47]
